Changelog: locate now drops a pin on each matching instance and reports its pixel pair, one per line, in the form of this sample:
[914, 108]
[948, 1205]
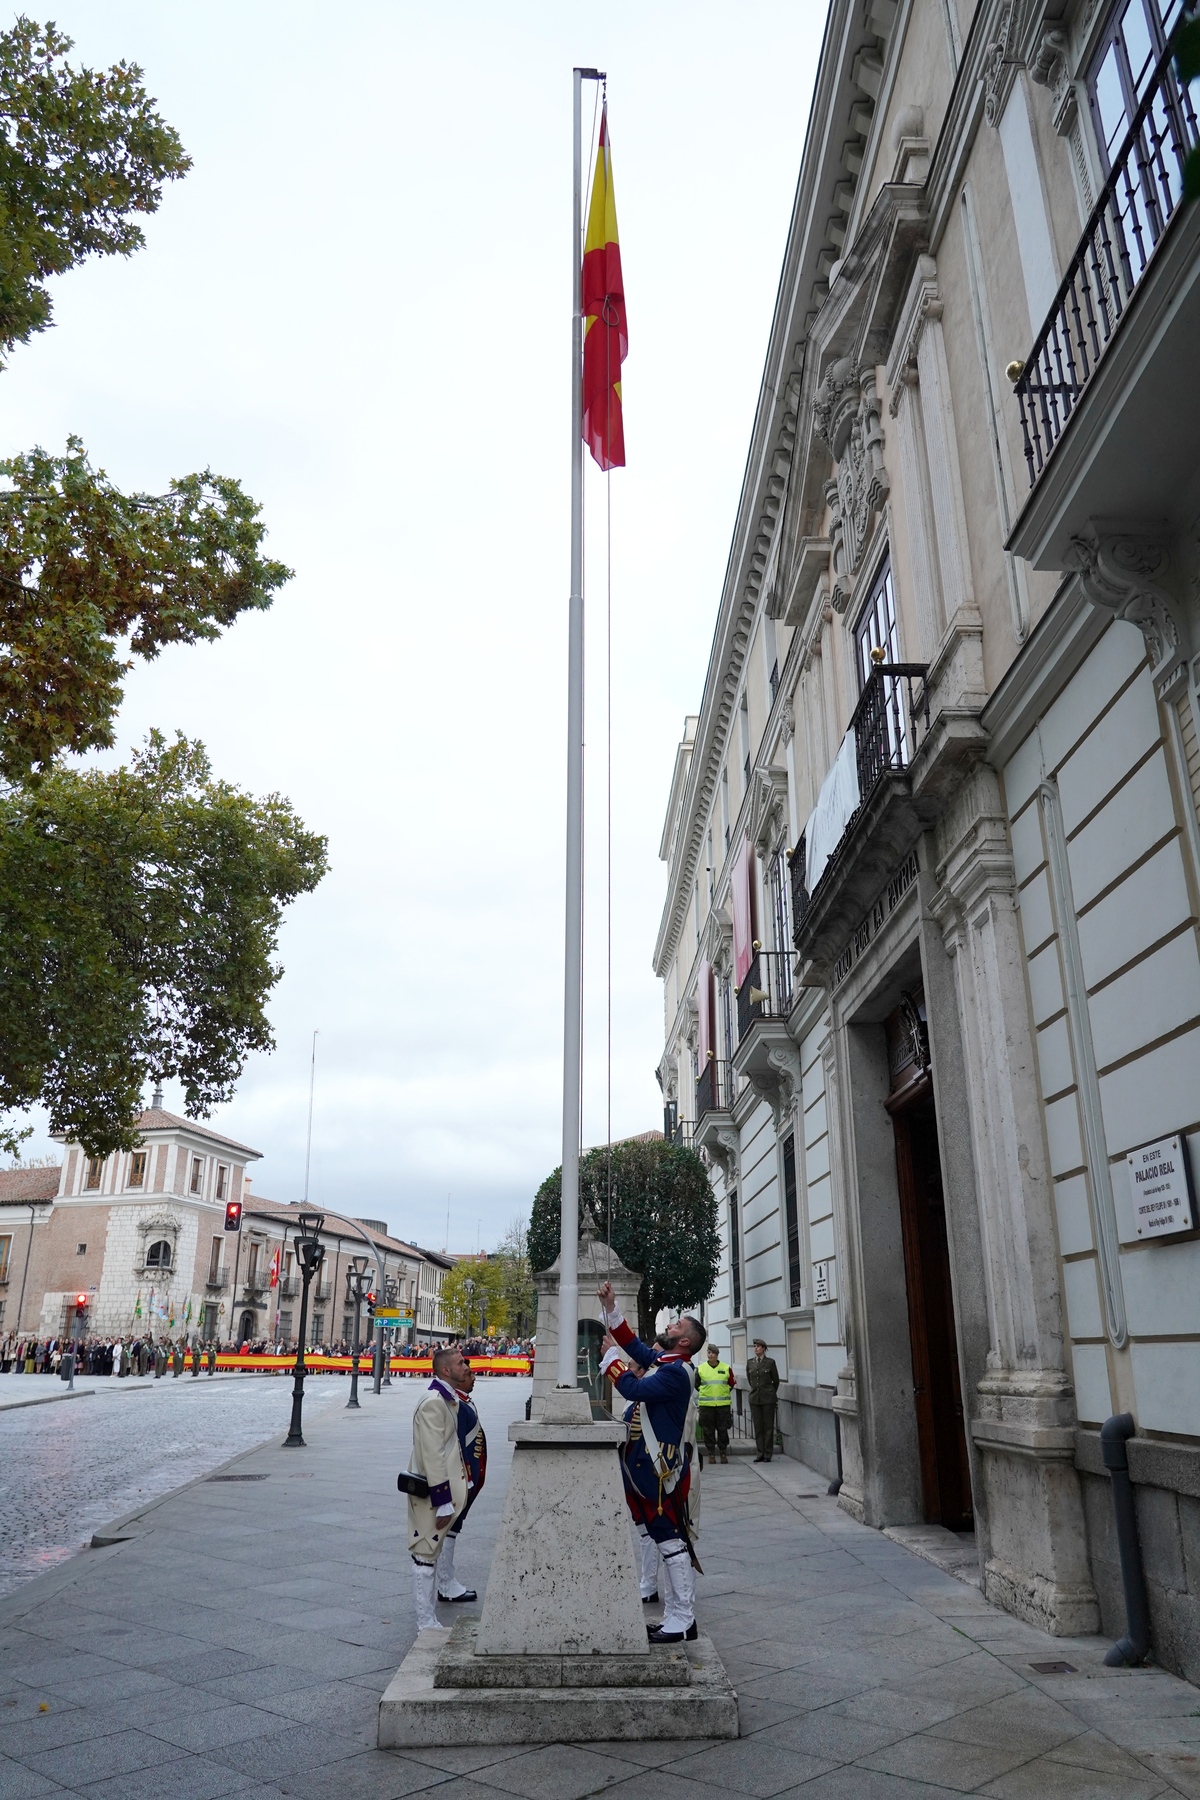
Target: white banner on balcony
[836, 804]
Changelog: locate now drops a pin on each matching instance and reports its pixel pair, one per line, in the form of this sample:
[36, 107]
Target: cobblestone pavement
[238, 1645]
[69, 1466]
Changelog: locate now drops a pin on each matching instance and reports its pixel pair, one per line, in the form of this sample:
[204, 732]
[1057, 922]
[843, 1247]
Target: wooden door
[945, 1472]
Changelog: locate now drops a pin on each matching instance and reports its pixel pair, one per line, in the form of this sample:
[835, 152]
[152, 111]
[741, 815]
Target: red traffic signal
[81, 1303]
[233, 1215]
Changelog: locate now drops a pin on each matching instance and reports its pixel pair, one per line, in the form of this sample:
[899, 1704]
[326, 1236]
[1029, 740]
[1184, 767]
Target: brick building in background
[143, 1234]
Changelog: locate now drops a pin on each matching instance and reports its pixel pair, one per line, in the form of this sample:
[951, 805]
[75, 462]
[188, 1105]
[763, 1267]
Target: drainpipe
[1134, 1647]
[835, 1487]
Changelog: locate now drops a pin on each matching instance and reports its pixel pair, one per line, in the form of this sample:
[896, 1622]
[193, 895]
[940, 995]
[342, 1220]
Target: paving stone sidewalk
[238, 1645]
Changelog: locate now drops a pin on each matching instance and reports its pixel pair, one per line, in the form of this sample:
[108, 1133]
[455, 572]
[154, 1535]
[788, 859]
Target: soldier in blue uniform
[655, 1462]
[473, 1444]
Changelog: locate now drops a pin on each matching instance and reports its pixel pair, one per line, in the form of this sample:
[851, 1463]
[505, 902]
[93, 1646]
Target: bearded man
[473, 1445]
[655, 1461]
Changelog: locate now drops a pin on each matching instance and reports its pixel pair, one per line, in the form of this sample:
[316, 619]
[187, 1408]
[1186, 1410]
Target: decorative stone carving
[768, 807]
[847, 418]
[1000, 66]
[1050, 68]
[1120, 568]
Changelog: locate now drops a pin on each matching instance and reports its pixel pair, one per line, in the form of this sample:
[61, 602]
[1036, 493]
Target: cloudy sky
[358, 303]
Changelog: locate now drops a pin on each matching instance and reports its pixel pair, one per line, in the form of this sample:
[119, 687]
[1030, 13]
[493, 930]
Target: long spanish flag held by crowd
[605, 333]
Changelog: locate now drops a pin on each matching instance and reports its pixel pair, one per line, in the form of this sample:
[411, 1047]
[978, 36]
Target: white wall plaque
[823, 1289]
[1160, 1189]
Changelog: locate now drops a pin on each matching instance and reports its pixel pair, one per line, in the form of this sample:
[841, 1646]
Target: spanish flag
[605, 334]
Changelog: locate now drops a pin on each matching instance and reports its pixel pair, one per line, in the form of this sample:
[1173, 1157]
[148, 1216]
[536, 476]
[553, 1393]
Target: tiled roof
[22, 1185]
[336, 1224]
[155, 1119]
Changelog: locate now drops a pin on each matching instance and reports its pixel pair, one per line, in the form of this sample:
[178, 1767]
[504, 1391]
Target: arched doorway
[246, 1328]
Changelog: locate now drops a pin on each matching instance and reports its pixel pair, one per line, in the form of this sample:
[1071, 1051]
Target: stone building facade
[929, 947]
[142, 1233]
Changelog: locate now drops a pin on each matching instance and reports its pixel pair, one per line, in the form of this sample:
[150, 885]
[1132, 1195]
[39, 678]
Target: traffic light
[81, 1303]
[370, 1306]
[233, 1215]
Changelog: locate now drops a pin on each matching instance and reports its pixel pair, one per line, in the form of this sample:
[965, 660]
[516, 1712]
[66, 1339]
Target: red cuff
[623, 1334]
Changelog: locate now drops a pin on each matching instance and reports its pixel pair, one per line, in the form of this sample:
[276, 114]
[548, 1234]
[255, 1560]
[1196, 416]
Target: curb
[45, 1400]
[105, 1541]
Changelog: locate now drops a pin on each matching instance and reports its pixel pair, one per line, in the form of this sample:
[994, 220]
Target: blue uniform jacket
[665, 1393]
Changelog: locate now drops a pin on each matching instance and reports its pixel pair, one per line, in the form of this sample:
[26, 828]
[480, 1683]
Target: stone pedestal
[563, 1580]
[560, 1653]
[420, 1708]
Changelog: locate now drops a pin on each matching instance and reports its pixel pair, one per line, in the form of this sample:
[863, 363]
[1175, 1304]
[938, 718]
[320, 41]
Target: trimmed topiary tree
[652, 1202]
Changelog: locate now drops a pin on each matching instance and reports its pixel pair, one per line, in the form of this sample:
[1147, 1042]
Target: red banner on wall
[743, 913]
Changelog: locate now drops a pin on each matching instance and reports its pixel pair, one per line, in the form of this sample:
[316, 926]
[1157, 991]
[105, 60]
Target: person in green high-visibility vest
[715, 1382]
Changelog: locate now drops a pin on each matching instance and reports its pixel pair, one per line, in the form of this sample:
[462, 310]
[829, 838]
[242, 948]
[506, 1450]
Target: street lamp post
[388, 1286]
[310, 1252]
[357, 1283]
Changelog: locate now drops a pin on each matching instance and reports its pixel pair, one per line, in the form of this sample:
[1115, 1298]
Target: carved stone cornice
[1121, 568]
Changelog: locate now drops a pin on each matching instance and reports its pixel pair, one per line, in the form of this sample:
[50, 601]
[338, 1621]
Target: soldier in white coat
[437, 1455]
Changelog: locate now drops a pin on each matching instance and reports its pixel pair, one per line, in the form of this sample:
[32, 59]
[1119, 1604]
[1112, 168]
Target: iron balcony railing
[766, 992]
[682, 1134]
[796, 866]
[893, 701]
[217, 1280]
[289, 1286]
[1138, 201]
[714, 1089]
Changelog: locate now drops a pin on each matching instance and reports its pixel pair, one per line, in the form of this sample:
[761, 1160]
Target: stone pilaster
[1024, 1412]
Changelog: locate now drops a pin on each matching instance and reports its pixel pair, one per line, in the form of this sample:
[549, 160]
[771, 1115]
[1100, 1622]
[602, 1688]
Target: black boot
[657, 1635]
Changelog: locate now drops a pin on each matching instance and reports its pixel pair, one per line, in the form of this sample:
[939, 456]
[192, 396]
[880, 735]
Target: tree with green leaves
[139, 907]
[520, 1297]
[473, 1297]
[81, 150]
[139, 914]
[653, 1203]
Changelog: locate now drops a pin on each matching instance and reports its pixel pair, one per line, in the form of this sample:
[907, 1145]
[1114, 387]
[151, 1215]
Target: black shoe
[657, 1635]
[650, 1599]
[760, 1459]
[458, 1599]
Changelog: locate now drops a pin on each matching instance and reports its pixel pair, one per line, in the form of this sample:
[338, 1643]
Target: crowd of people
[144, 1354]
[140, 1355]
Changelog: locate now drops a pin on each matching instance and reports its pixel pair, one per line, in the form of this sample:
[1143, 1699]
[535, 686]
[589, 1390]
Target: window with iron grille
[877, 630]
[137, 1169]
[95, 1168]
[792, 1216]
[877, 626]
[1133, 43]
[735, 1257]
[781, 901]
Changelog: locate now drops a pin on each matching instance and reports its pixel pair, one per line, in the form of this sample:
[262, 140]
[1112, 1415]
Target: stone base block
[1051, 1606]
[458, 1666]
[414, 1711]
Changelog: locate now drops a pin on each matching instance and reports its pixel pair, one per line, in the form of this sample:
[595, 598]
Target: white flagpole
[568, 1293]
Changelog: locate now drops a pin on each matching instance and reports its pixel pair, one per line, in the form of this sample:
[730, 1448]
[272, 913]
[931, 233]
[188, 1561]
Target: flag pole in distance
[568, 1289]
